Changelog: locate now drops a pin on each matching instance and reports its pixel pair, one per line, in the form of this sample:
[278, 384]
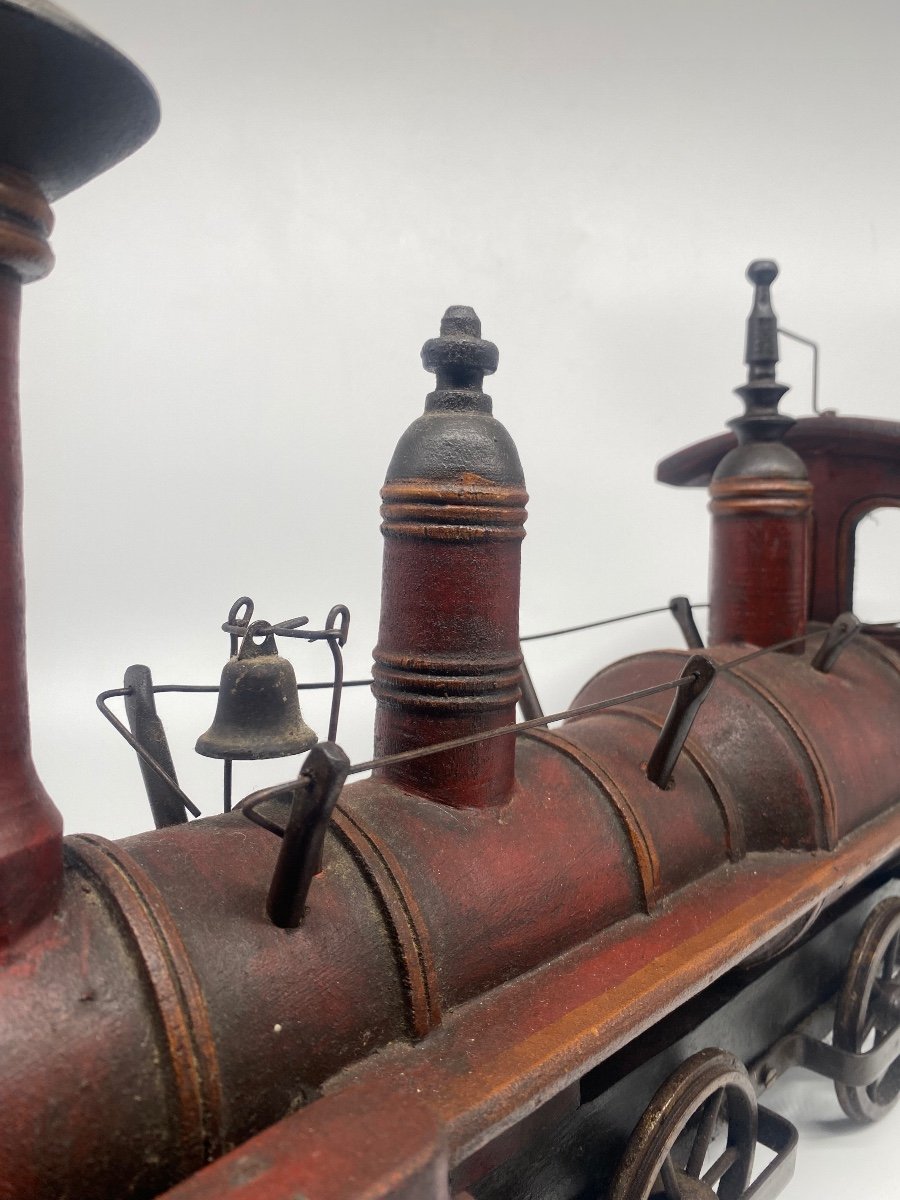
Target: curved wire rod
[139, 749]
[214, 687]
[814, 346]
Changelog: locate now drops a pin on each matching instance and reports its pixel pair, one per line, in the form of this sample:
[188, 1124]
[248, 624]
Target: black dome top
[457, 437]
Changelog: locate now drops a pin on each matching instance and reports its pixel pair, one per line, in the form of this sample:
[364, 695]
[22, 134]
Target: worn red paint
[488, 925]
[30, 825]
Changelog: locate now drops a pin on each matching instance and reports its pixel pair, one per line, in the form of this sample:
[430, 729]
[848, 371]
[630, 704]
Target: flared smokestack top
[761, 502]
[71, 106]
[448, 661]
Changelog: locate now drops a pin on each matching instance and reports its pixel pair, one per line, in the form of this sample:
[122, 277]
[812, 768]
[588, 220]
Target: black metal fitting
[313, 797]
[680, 718]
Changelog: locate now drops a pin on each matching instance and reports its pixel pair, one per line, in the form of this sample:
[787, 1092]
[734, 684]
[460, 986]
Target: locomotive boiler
[513, 961]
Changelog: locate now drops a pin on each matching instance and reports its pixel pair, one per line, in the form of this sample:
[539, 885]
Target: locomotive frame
[485, 1116]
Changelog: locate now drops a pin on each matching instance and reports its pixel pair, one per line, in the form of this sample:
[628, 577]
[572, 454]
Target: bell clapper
[226, 784]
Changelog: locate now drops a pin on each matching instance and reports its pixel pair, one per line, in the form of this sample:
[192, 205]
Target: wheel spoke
[886, 998]
[676, 1137]
[705, 1131]
[868, 1028]
[669, 1175]
[725, 1160]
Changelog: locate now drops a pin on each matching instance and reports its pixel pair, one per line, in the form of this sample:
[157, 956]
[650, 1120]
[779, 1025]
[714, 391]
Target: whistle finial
[761, 352]
[761, 421]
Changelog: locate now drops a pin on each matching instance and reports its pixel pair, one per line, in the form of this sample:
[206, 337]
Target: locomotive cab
[853, 464]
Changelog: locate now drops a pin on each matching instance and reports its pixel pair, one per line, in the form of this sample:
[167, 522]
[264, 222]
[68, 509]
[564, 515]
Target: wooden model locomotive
[525, 964]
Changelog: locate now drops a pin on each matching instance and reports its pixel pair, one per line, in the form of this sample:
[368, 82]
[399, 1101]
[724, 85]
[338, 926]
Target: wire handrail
[470, 739]
[568, 714]
[641, 612]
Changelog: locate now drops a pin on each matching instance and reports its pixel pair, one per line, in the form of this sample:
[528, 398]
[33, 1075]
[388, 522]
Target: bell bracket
[147, 737]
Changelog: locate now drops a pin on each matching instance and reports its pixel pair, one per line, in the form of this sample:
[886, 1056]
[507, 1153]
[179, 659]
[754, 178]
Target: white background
[216, 373]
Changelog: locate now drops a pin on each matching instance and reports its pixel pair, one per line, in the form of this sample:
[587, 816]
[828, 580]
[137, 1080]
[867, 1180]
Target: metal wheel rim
[707, 1081]
[875, 958]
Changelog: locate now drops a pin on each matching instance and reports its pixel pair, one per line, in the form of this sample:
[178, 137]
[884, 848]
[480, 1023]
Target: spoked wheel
[868, 1010]
[671, 1154]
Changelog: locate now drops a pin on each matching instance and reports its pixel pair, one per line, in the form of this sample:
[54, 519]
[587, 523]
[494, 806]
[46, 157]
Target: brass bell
[258, 713]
